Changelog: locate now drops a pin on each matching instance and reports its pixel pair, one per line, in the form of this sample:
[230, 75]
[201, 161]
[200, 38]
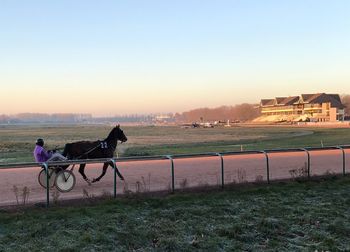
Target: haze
[118, 57]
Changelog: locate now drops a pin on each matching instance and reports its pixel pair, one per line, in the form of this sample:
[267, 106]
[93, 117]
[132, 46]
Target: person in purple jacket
[41, 155]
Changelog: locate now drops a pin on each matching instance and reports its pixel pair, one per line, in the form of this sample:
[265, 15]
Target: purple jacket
[40, 154]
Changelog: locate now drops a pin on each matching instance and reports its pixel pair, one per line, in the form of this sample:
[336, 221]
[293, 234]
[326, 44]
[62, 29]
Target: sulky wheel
[65, 181]
[42, 177]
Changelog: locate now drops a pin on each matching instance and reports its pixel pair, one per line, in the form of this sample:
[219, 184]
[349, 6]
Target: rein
[89, 151]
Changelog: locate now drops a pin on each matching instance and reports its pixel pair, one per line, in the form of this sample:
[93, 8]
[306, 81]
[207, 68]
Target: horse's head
[119, 134]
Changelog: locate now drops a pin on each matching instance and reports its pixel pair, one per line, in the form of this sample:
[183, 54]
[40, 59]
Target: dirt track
[156, 175]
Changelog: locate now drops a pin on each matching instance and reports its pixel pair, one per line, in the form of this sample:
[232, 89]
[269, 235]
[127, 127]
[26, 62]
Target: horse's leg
[104, 170]
[81, 171]
[119, 174]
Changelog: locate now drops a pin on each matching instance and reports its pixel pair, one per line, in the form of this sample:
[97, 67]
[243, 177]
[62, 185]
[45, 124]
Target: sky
[156, 56]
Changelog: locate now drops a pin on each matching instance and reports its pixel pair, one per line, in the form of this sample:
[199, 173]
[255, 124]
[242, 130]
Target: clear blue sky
[117, 57]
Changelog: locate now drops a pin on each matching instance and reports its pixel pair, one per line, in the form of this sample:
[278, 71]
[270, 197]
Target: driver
[41, 155]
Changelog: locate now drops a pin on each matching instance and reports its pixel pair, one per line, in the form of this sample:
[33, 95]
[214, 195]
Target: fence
[171, 158]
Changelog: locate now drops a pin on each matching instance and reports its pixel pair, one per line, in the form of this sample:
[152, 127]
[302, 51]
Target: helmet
[40, 142]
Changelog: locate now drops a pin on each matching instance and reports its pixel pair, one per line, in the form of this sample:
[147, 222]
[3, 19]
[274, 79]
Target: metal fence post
[267, 166]
[114, 177]
[308, 162]
[172, 173]
[46, 167]
[343, 152]
[222, 170]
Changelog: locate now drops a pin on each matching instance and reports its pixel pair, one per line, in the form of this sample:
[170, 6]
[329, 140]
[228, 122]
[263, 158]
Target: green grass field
[17, 142]
[295, 216]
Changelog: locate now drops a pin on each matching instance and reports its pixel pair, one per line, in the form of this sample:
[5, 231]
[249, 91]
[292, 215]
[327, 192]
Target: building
[319, 107]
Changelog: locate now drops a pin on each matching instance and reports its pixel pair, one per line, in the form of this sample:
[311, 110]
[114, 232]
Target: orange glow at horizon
[108, 93]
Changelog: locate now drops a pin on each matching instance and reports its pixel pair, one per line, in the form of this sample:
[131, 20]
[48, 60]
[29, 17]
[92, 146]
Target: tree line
[241, 112]
[345, 99]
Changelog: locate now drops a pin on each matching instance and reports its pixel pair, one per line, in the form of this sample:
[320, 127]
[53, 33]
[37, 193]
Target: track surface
[155, 175]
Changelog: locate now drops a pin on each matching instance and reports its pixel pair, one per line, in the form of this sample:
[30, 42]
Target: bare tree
[241, 112]
[345, 99]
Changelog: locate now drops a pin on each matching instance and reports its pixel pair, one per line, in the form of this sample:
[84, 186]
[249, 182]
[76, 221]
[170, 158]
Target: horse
[95, 149]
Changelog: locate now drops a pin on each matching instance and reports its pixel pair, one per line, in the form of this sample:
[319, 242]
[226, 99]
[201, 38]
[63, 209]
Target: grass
[295, 216]
[17, 142]
[249, 138]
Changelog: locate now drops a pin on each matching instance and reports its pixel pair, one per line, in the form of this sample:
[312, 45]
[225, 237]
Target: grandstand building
[306, 107]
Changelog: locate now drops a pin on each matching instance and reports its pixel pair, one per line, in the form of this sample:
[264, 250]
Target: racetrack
[155, 175]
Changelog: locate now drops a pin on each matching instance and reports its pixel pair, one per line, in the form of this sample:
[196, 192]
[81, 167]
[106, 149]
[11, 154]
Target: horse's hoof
[94, 181]
[122, 178]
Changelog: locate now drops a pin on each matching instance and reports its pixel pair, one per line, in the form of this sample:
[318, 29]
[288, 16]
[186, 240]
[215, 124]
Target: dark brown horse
[97, 149]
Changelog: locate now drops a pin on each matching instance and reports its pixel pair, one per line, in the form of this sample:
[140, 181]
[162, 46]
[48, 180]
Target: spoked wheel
[42, 177]
[65, 181]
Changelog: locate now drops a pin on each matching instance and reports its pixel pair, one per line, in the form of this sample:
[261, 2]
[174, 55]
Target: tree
[241, 112]
[345, 99]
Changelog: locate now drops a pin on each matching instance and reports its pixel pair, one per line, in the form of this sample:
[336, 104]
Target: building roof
[320, 98]
[334, 99]
[267, 102]
[290, 100]
[306, 97]
[279, 100]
